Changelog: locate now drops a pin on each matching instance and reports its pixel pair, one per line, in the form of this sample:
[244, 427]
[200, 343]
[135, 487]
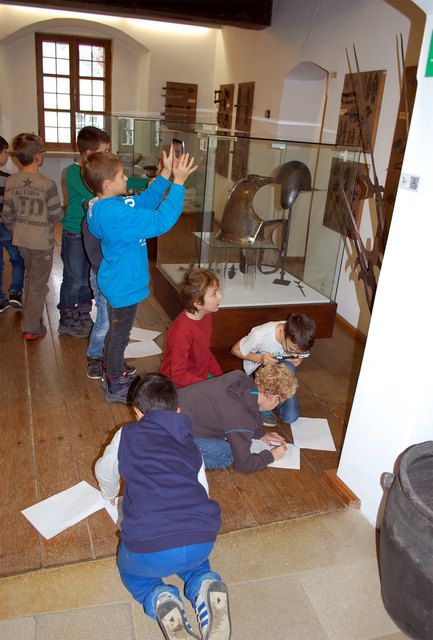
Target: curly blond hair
[276, 379]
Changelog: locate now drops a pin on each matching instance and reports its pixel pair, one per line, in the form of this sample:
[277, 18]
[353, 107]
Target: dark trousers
[120, 325]
[37, 271]
[75, 286]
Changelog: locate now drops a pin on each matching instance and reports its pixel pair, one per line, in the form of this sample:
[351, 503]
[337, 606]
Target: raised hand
[183, 168]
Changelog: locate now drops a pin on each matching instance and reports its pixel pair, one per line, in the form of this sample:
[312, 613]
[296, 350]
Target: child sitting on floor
[169, 523]
[280, 342]
[187, 355]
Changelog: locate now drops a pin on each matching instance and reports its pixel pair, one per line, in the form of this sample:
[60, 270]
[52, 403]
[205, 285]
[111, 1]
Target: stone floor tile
[84, 584]
[18, 629]
[113, 622]
[277, 608]
[394, 636]
[347, 601]
[353, 536]
[278, 549]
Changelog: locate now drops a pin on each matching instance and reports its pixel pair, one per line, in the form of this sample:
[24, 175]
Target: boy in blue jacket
[123, 225]
[169, 523]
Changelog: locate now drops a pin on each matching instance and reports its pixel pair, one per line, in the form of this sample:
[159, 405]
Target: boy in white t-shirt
[280, 342]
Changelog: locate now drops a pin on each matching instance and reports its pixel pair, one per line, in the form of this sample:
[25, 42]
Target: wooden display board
[356, 106]
[343, 175]
[224, 120]
[180, 103]
[244, 111]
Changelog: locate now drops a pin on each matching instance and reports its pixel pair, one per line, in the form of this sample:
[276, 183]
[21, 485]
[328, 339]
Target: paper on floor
[312, 433]
[144, 344]
[61, 511]
[291, 459]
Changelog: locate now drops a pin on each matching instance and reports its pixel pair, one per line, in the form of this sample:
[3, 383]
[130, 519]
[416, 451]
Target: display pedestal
[232, 323]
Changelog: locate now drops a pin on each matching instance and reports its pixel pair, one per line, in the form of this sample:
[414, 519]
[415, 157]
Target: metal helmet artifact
[294, 177]
[240, 224]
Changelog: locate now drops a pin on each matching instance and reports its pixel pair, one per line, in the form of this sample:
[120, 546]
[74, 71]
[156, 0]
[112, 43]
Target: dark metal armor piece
[294, 177]
[240, 224]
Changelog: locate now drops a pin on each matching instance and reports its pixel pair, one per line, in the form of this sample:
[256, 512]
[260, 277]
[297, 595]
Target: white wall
[393, 405]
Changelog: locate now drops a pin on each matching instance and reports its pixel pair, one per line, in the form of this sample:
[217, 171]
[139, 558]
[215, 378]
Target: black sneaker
[70, 325]
[119, 390]
[4, 304]
[94, 368]
[34, 335]
[269, 420]
[15, 299]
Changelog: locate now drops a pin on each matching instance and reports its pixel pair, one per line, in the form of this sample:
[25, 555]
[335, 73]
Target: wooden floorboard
[55, 424]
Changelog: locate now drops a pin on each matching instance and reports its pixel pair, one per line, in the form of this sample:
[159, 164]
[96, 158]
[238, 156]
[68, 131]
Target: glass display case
[264, 215]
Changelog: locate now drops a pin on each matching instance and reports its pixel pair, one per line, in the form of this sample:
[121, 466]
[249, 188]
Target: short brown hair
[276, 379]
[194, 286]
[26, 146]
[301, 330]
[98, 167]
[90, 139]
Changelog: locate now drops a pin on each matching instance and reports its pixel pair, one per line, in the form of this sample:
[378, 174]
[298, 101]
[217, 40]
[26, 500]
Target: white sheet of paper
[312, 433]
[143, 334]
[142, 349]
[291, 459]
[61, 511]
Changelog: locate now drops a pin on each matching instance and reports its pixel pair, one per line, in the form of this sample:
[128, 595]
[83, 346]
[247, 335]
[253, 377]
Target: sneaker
[94, 368]
[269, 420]
[128, 369]
[4, 304]
[34, 335]
[119, 390]
[15, 299]
[84, 309]
[70, 325]
[171, 617]
[212, 609]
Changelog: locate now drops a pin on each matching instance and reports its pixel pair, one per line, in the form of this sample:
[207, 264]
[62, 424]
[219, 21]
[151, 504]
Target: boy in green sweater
[75, 292]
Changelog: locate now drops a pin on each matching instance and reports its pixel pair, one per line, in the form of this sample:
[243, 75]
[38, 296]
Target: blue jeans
[100, 327]
[17, 263]
[75, 286]
[216, 453]
[141, 573]
[288, 411]
[120, 324]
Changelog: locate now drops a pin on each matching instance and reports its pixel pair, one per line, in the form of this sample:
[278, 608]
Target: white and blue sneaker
[212, 609]
[171, 617]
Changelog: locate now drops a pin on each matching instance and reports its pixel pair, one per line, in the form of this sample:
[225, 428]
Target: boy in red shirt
[187, 356]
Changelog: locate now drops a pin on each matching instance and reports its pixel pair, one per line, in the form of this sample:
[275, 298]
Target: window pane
[63, 67]
[48, 65]
[62, 50]
[51, 134]
[64, 135]
[64, 119]
[98, 87]
[85, 87]
[98, 103]
[98, 70]
[49, 49]
[63, 101]
[50, 85]
[50, 118]
[98, 53]
[50, 101]
[86, 103]
[62, 85]
[85, 52]
[85, 68]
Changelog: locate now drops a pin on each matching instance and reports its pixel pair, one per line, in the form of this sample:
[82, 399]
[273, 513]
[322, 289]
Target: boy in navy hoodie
[123, 225]
[169, 523]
